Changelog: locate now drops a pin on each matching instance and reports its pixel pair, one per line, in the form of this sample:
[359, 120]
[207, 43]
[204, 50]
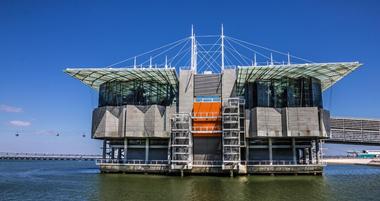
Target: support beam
[317, 150]
[146, 150]
[125, 149]
[270, 151]
[118, 153]
[294, 150]
[112, 153]
[104, 149]
[310, 155]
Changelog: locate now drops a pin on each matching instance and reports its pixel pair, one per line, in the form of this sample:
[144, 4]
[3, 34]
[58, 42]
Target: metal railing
[207, 128]
[278, 162]
[132, 162]
[213, 99]
[207, 163]
[207, 114]
[11, 155]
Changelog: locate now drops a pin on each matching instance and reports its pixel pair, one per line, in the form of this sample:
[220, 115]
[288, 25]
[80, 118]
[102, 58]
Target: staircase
[181, 142]
[231, 133]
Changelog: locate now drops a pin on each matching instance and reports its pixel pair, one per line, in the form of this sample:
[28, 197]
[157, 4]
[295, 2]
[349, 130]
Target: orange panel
[207, 109]
[209, 118]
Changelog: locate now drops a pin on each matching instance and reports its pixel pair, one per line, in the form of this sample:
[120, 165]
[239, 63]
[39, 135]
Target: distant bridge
[46, 156]
[355, 131]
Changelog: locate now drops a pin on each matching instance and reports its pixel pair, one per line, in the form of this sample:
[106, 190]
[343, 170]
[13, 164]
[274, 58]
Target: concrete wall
[265, 122]
[287, 122]
[228, 83]
[186, 91]
[131, 121]
[324, 123]
[107, 122]
[302, 121]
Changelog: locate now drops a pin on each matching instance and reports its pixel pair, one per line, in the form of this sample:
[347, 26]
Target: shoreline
[352, 161]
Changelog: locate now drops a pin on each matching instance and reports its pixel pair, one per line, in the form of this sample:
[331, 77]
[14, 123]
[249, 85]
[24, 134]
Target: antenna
[166, 61]
[288, 58]
[222, 48]
[254, 60]
[271, 59]
[193, 64]
[134, 63]
[150, 62]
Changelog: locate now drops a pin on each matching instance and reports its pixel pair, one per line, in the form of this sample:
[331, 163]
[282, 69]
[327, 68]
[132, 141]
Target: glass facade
[286, 92]
[117, 93]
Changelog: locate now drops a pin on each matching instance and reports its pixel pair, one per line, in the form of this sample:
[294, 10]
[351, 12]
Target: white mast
[193, 64]
[134, 63]
[150, 62]
[166, 61]
[271, 59]
[222, 49]
[288, 58]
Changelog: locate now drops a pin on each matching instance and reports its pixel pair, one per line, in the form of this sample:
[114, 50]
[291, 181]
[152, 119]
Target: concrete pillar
[294, 150]
[304, 155]
[112, 153]
[119, 153]
[125, 150]
[317, 150]
[311, 153]
[146, 150]
[270, 151]
[104, 149]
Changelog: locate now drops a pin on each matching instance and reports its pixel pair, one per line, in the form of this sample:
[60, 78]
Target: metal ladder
[231, 134]
[181, 142]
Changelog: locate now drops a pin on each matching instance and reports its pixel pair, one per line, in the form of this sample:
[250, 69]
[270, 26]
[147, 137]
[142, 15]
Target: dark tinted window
[302, 92]
[118, 93]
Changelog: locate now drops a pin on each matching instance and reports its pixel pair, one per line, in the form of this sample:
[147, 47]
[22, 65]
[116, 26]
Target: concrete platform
[286, 169]
[212, 170]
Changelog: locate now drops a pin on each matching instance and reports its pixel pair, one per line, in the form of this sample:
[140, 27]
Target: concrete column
[119, 153]
[112, 153]
[104, 149]
[294, 150]
[146, 150]
[310, 155]
[270, 151]
[304, 154]
[317, 150]
[125, 149]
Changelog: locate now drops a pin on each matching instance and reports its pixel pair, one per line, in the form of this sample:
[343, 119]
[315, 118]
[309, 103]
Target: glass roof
[327, 73]
[94, 77]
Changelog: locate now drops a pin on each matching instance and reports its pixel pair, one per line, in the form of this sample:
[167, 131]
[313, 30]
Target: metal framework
[94, 77]
[355, 130]
[181, 142]
[232, 53]
[327, 73]
[231, 133]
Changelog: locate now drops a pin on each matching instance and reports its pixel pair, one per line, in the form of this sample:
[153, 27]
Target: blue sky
[39, 39]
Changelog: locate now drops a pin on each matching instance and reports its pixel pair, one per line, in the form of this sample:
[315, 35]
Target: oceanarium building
[242, 119]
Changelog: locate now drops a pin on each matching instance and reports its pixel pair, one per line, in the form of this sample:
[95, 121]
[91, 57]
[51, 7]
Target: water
[79, 180]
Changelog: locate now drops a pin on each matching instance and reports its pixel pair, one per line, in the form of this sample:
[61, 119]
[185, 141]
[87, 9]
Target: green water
[75, 180]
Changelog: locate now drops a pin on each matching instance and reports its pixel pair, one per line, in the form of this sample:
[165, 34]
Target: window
[286, 92]
[117, 93]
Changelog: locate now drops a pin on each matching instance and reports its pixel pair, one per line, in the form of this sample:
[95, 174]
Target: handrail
[207, 128]
[207, 162]
[279, 162]
[132, 162]
[207, 114]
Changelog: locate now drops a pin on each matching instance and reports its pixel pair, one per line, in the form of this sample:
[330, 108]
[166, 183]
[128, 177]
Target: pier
[47, 156]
